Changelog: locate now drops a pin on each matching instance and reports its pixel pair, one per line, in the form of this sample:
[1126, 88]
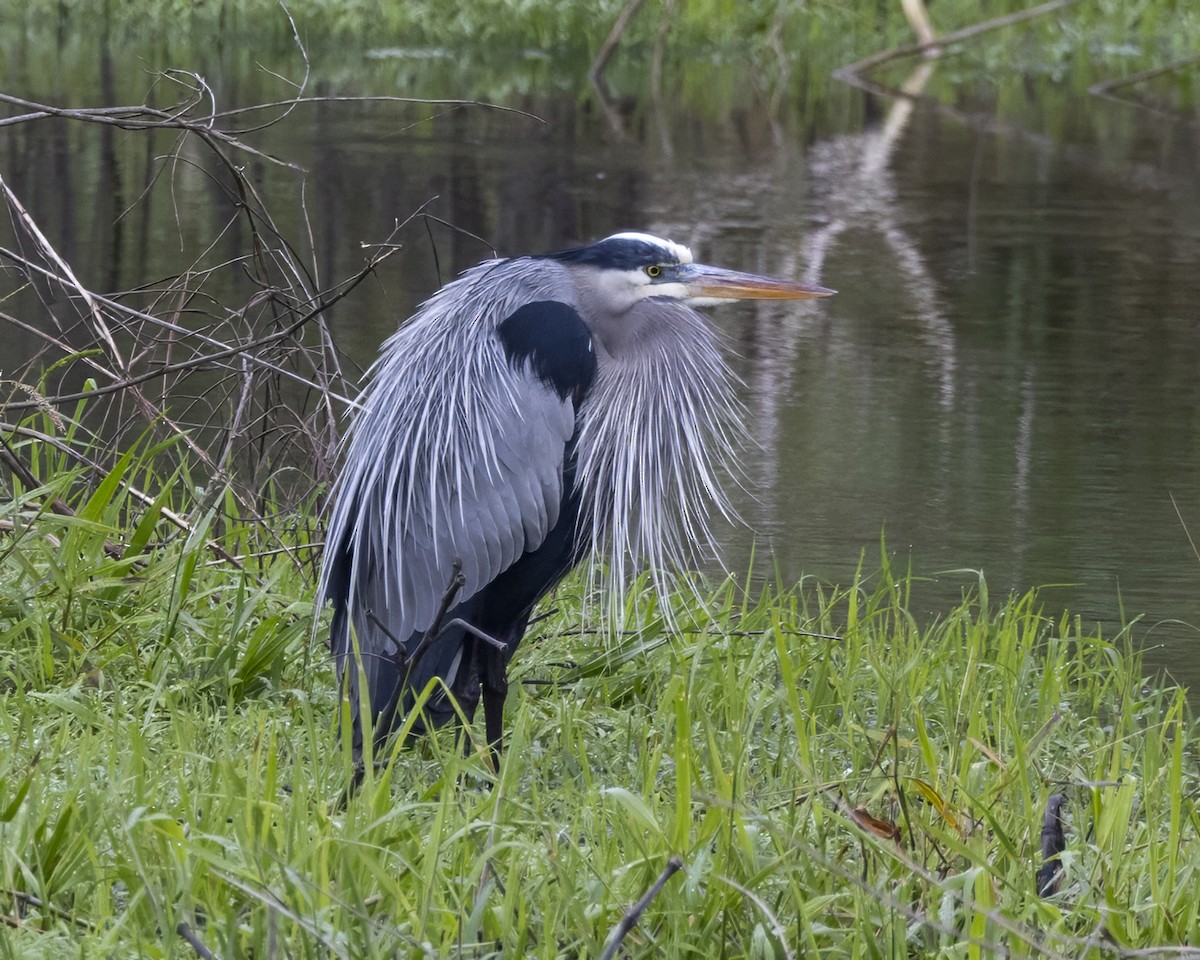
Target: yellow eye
[654, 271]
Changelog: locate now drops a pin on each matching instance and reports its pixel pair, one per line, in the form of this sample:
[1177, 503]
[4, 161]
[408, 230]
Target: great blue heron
[533, 411]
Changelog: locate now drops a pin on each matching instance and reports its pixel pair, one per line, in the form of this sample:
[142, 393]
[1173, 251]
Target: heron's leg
[495, 691]
[490, 659]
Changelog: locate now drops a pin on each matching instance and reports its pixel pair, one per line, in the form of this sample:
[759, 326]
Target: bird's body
[532, 412]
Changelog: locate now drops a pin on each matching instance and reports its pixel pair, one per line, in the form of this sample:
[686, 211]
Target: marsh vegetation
[840, 770]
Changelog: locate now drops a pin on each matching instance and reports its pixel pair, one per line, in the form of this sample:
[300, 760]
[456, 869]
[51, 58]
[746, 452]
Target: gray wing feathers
[454, 456]
[503, 509]
[525, 488]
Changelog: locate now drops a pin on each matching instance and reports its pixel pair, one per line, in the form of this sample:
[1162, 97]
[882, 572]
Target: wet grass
[836, 778]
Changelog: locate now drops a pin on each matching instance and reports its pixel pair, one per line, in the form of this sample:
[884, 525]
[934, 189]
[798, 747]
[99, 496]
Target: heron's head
[618, 272]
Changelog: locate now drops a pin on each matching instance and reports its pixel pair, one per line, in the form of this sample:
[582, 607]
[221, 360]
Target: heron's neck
[658, 433]
[646, 331]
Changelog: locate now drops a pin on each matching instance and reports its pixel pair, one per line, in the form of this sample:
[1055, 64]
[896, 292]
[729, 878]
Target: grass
[170, 764]
[171, 768]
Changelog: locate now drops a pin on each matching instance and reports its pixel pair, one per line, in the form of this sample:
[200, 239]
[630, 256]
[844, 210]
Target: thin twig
[51, 254]
[419, 101]
[457, 581]
[20, 896]
[465, 625]
[1106, 88]
[141, 117]
[630, 920]
[184, 930]
[57, 505]
[1183, 523]
[323, 304]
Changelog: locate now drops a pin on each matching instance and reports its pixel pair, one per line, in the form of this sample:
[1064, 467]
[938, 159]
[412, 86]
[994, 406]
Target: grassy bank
[835, 778]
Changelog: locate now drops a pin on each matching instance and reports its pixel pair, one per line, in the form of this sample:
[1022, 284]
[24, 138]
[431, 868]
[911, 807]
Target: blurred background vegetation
[497, 47]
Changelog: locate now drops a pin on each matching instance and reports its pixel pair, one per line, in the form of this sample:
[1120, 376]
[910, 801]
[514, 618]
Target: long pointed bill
[719, 284]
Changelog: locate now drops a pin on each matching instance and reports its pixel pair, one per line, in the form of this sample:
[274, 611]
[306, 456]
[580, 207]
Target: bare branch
[253, 389]
[630, 920]
[184, 930]
[854, 73]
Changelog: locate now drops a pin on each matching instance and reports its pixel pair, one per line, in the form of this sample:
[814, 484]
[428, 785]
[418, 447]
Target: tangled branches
[229, 356]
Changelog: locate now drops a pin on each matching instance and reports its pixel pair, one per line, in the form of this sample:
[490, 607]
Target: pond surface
[1007, 381]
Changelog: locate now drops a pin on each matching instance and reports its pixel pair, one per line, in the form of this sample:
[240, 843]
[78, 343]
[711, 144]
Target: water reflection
[1006, 381]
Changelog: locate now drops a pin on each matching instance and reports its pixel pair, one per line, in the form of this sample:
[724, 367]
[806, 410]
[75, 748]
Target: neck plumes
[658, 434]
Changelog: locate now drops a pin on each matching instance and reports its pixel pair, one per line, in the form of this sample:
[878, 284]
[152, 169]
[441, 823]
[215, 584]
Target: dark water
[1008, 380]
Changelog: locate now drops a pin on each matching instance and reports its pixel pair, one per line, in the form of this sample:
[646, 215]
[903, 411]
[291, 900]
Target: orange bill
[721, 284]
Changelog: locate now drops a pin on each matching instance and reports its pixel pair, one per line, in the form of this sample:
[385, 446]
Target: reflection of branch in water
[608, 107]
[1106, 87]
[862, 195]
[877, 152]
[855, 191]
[855, 74]
[600, 64]
[609, 47]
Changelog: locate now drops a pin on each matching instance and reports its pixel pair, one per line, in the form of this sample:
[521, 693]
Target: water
[1007, 380]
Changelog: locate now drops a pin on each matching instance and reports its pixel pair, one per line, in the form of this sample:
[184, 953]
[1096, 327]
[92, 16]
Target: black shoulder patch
[557, 344]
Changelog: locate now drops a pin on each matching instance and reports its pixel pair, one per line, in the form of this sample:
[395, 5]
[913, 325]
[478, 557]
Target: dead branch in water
[854, 73]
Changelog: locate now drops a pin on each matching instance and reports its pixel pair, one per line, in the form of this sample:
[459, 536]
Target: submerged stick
[630, 920]
[1054, 842]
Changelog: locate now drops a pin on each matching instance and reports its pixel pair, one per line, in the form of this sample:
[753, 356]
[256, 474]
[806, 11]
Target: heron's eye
[653, 271]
